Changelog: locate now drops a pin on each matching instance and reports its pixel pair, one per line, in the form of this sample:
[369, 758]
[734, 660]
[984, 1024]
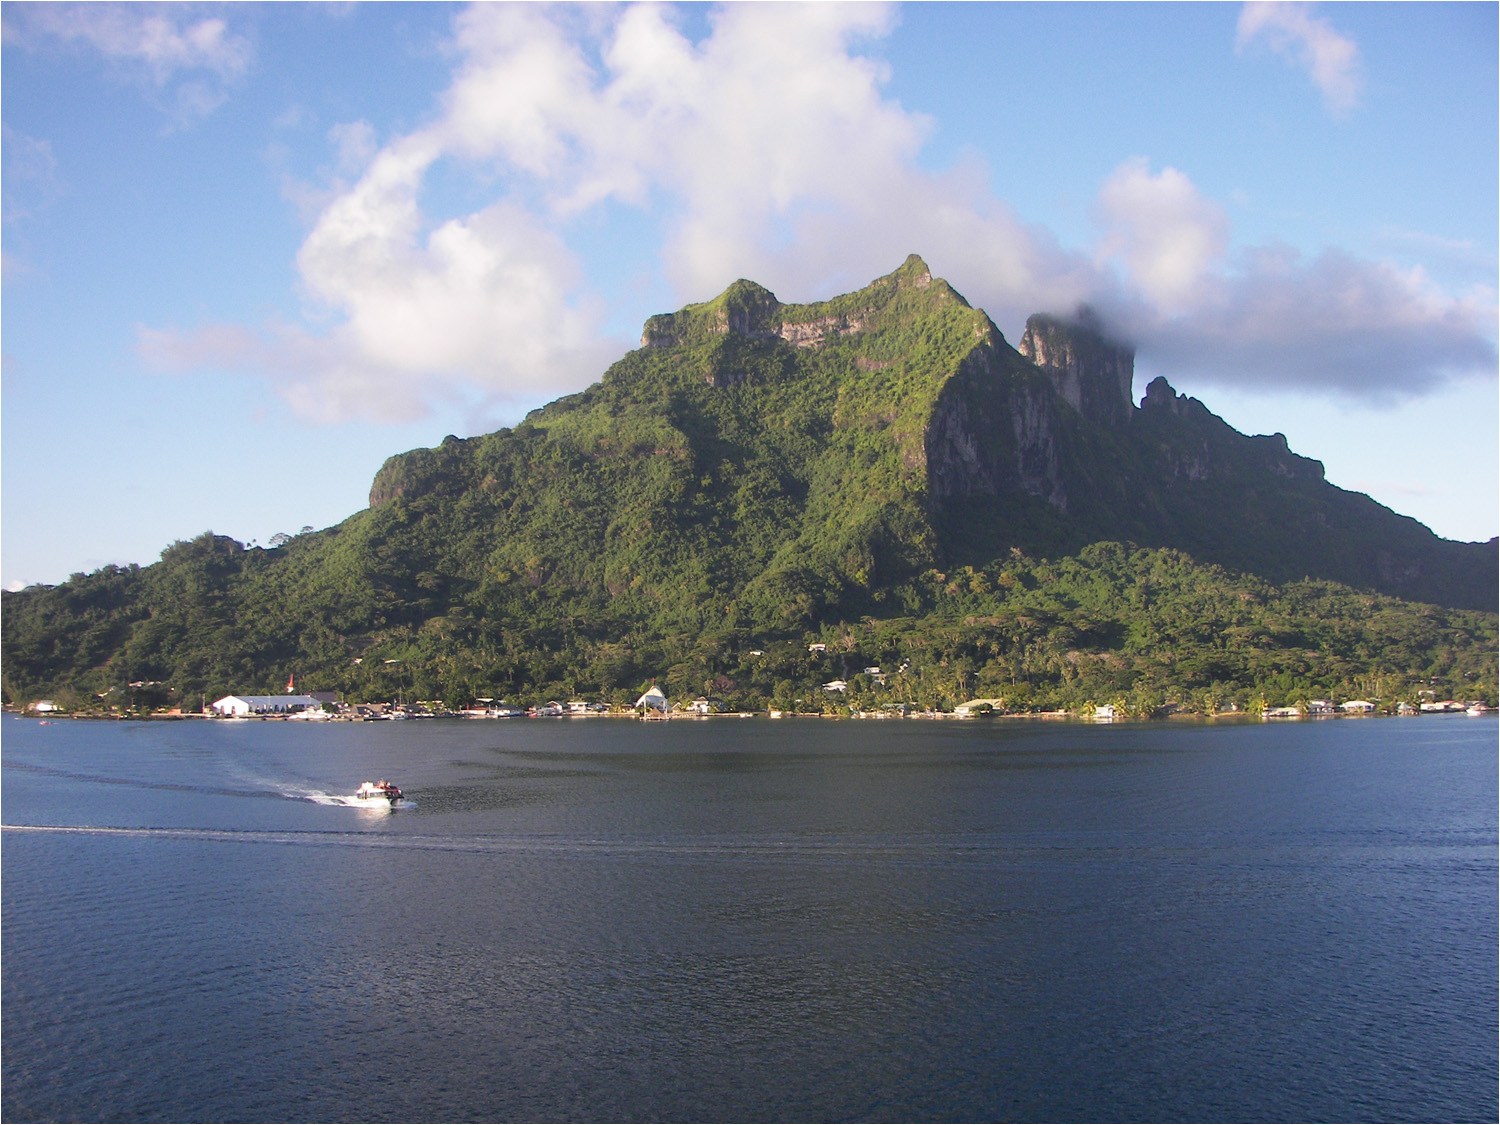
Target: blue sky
[251, 251]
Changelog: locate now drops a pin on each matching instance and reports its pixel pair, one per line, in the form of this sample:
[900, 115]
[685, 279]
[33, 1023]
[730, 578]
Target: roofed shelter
[653, 699]
[238, 706]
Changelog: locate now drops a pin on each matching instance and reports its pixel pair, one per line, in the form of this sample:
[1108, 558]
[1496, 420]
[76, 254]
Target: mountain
[755, 470]
[825, 451]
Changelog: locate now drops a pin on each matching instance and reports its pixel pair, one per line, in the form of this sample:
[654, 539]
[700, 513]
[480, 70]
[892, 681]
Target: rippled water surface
[750, 920]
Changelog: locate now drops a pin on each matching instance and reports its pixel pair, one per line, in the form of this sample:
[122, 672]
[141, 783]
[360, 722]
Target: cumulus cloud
[765, 149]
[783, 160]
[768, 119]
[814, 187]
[478, 305]
[1269, 317]
[484, 303]
[1291, 30]
[1334, 323]
[187, 61]
[1167, 235]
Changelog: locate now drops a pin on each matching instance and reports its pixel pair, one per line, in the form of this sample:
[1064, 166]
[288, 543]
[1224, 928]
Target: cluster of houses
[325, 705]
[1326, 707]
[1365, 707]
[322, 705]
[318, 705]
[874, 671]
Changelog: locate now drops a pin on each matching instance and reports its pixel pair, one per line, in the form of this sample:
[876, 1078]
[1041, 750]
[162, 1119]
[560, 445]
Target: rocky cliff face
[810, 334]
[1090, 372]
[1205, 446]
[994, 431]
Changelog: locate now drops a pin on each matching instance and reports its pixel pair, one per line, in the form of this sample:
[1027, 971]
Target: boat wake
[840, 852]
[138, 783]
[273, 790]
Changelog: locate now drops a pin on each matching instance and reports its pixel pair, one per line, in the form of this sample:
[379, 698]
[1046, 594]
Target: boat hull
[370, 792]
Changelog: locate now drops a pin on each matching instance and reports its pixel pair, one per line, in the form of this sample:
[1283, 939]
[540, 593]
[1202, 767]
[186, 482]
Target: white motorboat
[378, 791]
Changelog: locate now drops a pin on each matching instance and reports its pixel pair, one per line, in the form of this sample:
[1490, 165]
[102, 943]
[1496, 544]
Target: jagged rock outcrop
[1160, 396]
[752, 312]
[1196, 460]
[745, 309]
[1089, 371]
[414, 471]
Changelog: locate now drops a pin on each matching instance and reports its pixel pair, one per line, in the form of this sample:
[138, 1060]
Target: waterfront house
[653, 700]
[239, 706]
[1357, 706]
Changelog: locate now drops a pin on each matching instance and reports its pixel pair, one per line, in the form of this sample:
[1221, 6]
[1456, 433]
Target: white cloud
[769, 117]
[1291, 30]
[478, 305]
[1335, 324]
[764, 135]
[1268, 318]
[188, 60]
[767, 149]
[1167, 235]
[161, 39]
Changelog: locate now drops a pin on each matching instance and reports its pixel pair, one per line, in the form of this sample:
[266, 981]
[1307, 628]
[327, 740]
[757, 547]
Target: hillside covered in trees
[882, 474]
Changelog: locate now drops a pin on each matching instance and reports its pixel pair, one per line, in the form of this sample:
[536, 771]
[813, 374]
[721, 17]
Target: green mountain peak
[751, 311]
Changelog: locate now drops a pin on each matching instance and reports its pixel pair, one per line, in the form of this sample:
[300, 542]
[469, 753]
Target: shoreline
[928, 716]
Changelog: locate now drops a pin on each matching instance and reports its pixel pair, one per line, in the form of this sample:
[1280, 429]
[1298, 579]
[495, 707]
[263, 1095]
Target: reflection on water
[750, 920]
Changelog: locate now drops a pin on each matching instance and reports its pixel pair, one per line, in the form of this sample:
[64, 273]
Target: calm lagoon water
[750, 920]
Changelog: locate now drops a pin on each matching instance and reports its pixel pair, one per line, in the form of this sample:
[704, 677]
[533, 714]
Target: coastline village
[653, 705]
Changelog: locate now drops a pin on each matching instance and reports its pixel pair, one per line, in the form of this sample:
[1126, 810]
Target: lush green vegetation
[1134, 627]
[724, 498]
